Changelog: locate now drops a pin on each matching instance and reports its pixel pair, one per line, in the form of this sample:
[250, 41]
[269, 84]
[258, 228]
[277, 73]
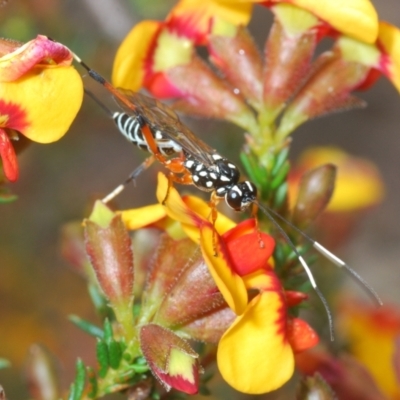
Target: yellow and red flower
[161, 57]
[363, 327]
[40, 93]
[243, 271]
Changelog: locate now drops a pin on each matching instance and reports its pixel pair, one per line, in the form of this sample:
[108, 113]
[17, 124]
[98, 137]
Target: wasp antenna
[334, 259]
[101, 104]
[131, 178]
[268, 212]
[340, 263]
[95, 75]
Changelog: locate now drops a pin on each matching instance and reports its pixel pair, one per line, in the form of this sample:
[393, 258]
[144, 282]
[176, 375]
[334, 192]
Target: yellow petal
[253, 354]
[190, 211]
[196, 14]
[367, 326]
[355, 18]
[218, 261]
[129, 63]
[389, 39]
[359, 52]
[50, 98]
[177, 210]
[140, 217]
[222, 224]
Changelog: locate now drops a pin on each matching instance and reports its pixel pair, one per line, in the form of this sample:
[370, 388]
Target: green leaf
[280, 159]
[99, 301]
[102, 357]
[108, 331]
[79, 383]
[280, 196]
[280, 178]
[71, 395]
[114, 354]
[86, 326]
[139, 369]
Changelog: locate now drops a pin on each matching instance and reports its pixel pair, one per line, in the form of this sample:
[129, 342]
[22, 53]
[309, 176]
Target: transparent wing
[161, 117]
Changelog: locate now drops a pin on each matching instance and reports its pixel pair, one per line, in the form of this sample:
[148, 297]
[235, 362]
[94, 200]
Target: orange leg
[254, 210]
[214, 215]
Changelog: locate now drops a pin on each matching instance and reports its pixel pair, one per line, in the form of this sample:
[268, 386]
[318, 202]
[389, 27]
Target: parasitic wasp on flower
[155, 127]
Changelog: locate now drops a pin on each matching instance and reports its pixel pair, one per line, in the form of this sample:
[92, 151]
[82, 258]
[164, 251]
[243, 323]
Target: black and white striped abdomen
[131, 127]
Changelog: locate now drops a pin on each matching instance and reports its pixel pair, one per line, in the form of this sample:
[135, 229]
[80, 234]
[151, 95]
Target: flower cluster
[206, 277]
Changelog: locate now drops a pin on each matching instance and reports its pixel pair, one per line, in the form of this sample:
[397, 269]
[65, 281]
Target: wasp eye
[240, 196]
[234, 198]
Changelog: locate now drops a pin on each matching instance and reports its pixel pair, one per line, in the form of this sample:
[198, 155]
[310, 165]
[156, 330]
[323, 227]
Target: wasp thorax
[240, 196]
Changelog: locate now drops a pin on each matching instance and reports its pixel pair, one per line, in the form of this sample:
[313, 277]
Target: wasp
[156, 128]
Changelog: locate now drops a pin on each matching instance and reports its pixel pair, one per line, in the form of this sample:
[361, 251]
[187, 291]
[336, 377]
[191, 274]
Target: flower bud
[287, 63]
[239, 59]
[315, 190]
[171, 358]
[327, 90]
[205, 94]
[167, 265]
[108, 246]
[193, 296]
[41, 375]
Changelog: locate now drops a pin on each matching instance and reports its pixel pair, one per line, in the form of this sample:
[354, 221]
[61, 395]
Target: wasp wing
[161, 117]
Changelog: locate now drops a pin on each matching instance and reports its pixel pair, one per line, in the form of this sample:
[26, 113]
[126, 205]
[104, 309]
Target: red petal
[8, 156]
[16, 116]
[300, 335]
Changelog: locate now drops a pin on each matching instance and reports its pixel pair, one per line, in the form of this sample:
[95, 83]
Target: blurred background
[58, 181]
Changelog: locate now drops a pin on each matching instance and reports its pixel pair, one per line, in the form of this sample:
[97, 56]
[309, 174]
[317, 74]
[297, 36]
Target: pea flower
[40, 93]
[246, 279]
[166, 62]
[367, 370]
[364, 326]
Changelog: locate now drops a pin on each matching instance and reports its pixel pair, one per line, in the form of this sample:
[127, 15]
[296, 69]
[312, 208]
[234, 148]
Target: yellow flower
[373, 336]
[40, 94]
[239, 266]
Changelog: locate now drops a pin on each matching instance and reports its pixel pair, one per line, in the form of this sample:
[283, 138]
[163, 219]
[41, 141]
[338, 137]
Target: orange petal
[254, 355]
[389, 40]
[41, 52]
[49, 100]
[219, 263]
[8, 157]
[250, 250]
[130, 66]
[300, 335]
